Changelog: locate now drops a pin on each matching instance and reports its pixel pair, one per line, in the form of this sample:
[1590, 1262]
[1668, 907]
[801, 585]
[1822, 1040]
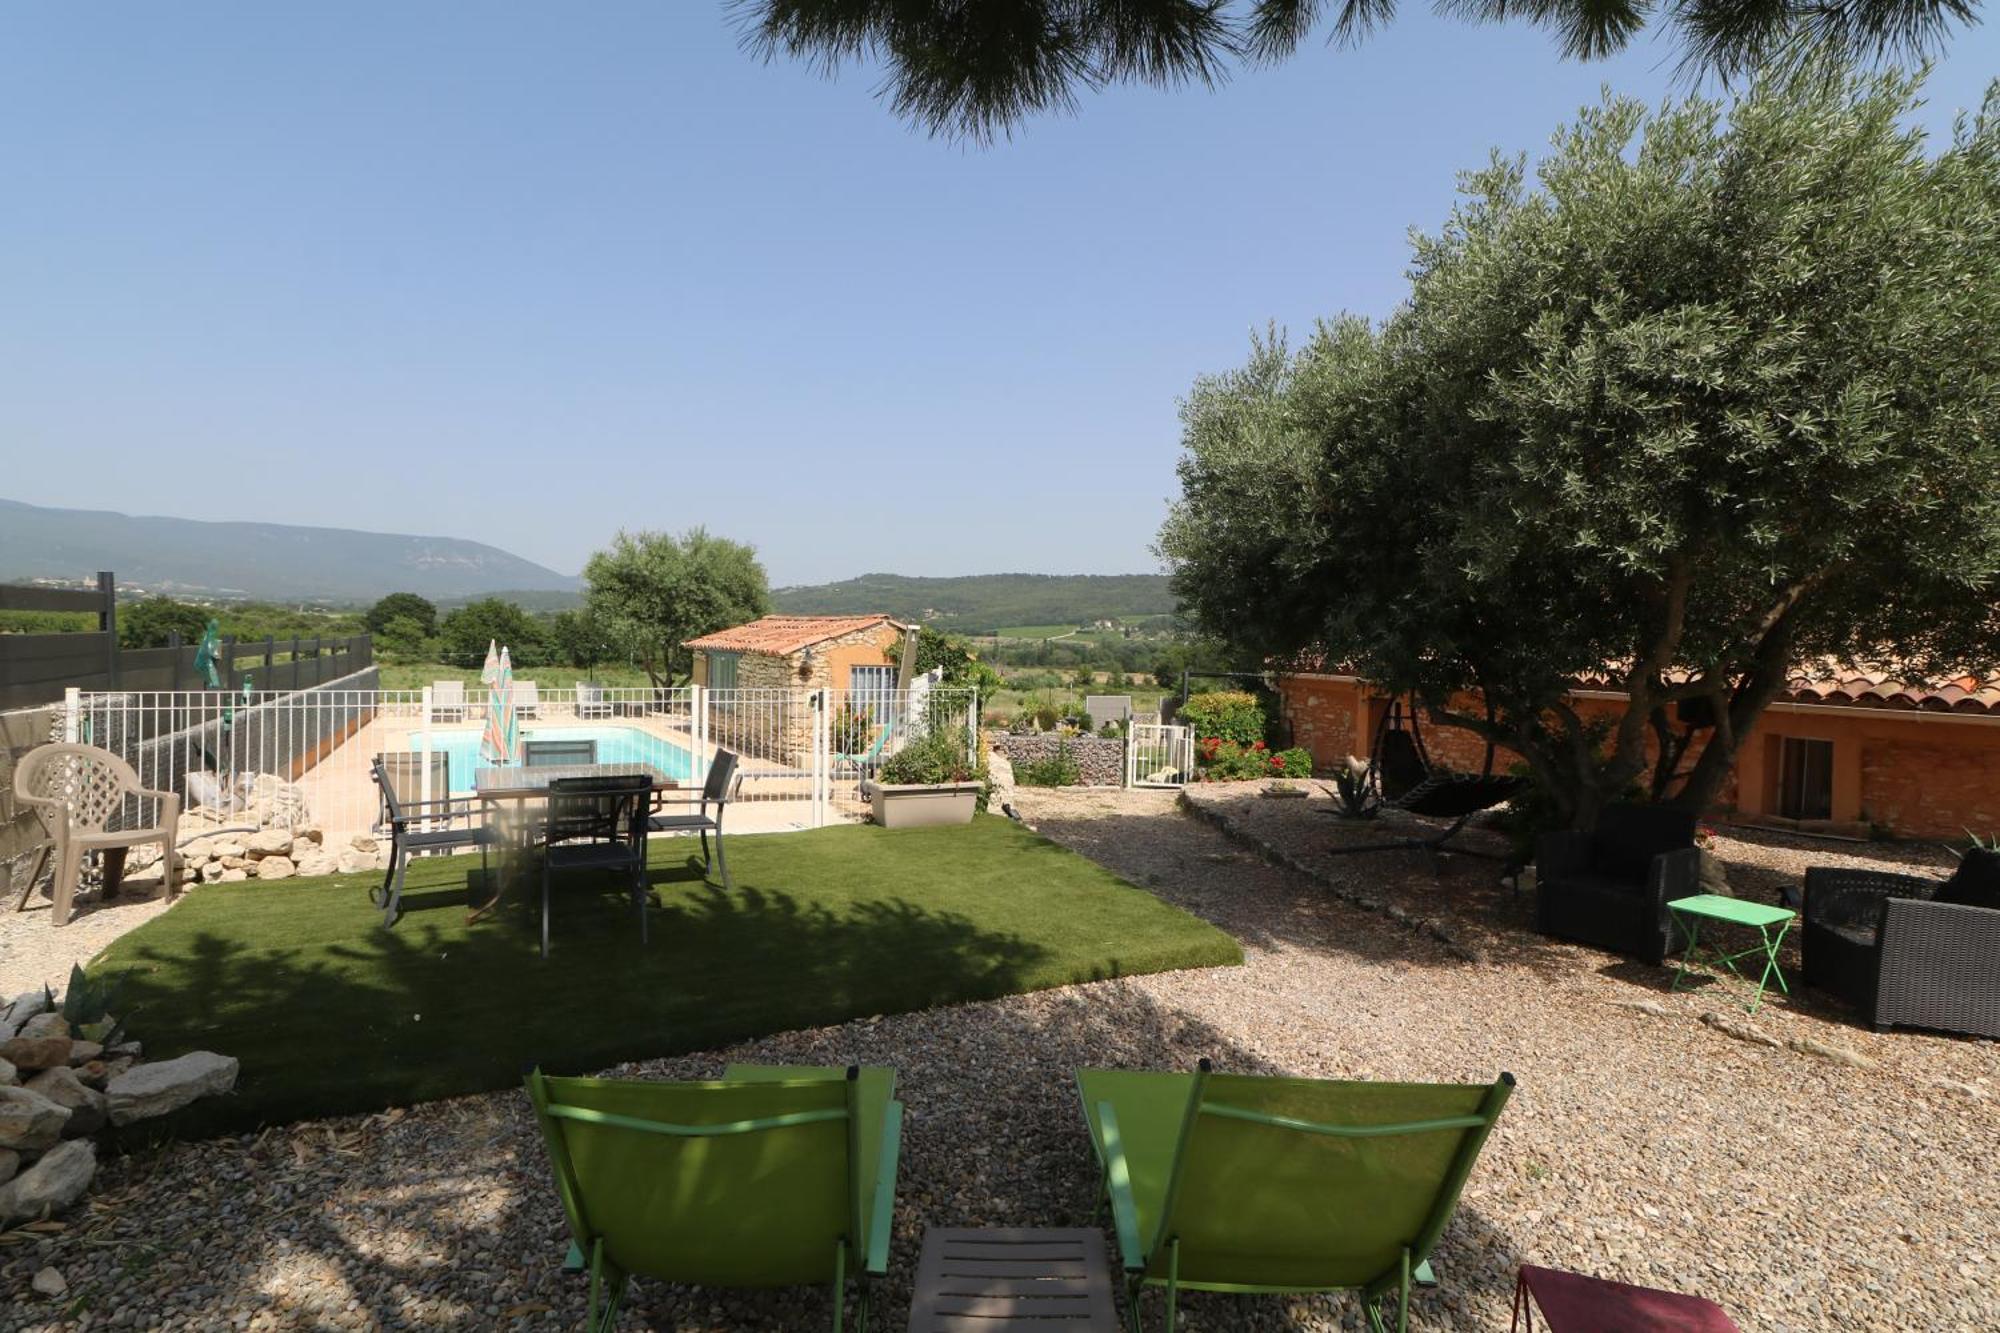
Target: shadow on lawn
[434, 1008]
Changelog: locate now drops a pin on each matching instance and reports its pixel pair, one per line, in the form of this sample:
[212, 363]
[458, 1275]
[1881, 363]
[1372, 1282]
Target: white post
[424, 751]
[822, 734]
[72, 707]
[972, 728]
[698, 730]
[1131, 739]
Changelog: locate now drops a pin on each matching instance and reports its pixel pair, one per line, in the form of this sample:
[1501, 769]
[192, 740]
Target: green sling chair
[1221, 1182]
[768, 1177]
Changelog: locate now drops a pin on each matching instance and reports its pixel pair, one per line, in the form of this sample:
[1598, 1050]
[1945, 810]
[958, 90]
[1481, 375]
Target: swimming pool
[615, 745]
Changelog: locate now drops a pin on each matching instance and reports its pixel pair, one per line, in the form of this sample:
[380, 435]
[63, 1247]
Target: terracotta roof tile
[781, 635]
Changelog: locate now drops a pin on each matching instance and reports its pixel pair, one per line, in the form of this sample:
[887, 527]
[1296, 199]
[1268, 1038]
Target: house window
[1805, 778]
[872, 679]
[722, 671]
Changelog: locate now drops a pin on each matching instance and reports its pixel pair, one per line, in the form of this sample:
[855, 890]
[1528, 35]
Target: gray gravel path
[1643, 1144]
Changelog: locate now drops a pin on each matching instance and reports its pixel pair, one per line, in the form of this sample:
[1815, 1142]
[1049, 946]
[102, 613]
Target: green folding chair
[1221, 1182]
[767, 1177]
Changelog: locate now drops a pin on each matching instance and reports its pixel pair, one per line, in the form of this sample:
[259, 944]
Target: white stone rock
[144, 1091]
[48, 1282]
[45, 1025]
[9, 1075]
[351, 860]
[24, 1006]
[86, 1105]
[276, 867]
[7, 1030]
[29, 1120]
[10, 1164]
[83, 1052]
[199, 850]
[232, 876]
[361, 842]
[311, 835]
[270, 842]
[225, 850]
[56, 1180]
[213, 871]
[318, 862]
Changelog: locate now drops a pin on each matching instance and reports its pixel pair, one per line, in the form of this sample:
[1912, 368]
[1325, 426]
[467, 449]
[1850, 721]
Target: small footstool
[992, 1281]
[1573, 1303]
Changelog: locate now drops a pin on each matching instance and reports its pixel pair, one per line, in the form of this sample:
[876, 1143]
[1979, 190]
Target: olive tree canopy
[1719, 399]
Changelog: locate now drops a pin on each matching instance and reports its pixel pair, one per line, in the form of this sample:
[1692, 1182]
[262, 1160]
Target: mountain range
[275, 561]
[984, 603]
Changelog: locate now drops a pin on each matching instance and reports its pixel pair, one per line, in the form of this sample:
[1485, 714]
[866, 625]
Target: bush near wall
[1231, 715]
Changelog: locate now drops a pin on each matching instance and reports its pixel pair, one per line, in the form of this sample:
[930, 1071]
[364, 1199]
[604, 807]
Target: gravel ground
[1643, 1144]
[34, 953]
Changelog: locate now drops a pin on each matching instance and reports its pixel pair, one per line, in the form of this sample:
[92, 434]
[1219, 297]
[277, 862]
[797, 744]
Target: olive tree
[650, 592]
[1712, 404]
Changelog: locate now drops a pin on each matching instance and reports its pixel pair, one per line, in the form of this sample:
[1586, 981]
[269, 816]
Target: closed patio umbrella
[499, 743]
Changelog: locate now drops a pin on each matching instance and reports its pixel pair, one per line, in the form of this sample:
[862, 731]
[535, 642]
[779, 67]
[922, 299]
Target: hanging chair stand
[1401, 776]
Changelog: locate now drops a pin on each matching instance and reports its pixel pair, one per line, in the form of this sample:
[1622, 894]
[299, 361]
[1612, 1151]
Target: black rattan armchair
[1610, 887]
[1906, 950]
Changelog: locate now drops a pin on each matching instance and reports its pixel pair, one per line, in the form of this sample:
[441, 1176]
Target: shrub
[853, 729]
[1040, 711]
[1219, 760]
[1057, 770]
[1230, 715]
[937, 757]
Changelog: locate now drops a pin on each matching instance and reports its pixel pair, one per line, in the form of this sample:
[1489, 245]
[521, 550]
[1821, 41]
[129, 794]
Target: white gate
[1158, 756]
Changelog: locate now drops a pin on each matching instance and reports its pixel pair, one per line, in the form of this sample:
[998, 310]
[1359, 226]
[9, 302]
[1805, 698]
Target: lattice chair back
[92, 784]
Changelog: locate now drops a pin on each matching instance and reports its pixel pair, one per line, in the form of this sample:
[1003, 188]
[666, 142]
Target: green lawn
[331, 1014]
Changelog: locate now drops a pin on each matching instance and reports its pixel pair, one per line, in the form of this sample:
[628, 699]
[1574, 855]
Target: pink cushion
[1573, 1303]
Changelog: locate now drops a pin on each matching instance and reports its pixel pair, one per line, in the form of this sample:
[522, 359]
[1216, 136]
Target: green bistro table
[1734, 912]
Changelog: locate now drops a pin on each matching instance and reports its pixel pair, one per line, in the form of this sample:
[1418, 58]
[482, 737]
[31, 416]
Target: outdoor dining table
[515, 785]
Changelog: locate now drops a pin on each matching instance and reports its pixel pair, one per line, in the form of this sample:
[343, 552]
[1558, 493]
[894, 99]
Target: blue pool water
[615, 745]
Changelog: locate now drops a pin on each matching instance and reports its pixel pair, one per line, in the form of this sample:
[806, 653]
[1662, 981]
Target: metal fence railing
[251, 759]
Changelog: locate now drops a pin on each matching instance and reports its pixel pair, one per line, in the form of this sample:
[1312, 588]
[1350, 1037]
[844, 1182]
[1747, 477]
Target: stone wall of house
[1100, 761]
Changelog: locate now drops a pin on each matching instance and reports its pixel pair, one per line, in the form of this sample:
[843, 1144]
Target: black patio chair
[719, 790]
[597, 823]
[1905, 950]
[1610, 887]
[418, 826]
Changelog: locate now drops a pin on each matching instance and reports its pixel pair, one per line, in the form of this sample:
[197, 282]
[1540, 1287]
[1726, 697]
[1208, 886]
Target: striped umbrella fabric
[510, 720]
[493, 748]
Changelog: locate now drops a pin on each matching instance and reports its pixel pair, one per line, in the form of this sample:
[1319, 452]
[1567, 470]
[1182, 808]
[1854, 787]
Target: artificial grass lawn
[331, 1014]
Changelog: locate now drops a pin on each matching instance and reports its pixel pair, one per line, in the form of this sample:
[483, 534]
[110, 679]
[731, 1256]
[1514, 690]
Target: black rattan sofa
[1909, 951]
[1610, 887]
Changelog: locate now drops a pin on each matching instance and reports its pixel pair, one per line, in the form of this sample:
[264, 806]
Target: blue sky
[533, 273]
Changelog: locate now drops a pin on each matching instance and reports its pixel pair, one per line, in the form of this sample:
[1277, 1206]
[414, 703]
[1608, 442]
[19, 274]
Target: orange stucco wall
[1919, 774]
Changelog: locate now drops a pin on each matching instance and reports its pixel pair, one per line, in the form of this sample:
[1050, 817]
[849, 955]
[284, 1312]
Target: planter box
[922, 805]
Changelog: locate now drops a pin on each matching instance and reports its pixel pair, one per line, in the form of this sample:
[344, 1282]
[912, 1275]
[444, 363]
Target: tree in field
[953, 658]
[148, 624]
[402, 606]
[465, 634]
[1718, 400]
[575, 637]
[653, 591]
[978, 68]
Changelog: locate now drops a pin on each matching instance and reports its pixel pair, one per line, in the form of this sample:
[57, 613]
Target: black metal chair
[597, 823]
[1906, 950]
[552, 754]
[418, 826]
[718, 790]
[1610, 887]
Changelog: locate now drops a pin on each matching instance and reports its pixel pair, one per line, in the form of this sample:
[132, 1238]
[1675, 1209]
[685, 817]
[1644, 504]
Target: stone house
[859, 657]
[801, 653]
[1840, 751]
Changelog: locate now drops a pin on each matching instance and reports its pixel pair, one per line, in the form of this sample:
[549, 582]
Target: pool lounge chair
[1221, 1182]
[766, 1177]
[590, 701]
[865, 759]
[448, 700]
[527, 699]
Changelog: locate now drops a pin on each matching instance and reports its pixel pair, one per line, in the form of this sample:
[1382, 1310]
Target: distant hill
[257, 560]
[984, 603]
